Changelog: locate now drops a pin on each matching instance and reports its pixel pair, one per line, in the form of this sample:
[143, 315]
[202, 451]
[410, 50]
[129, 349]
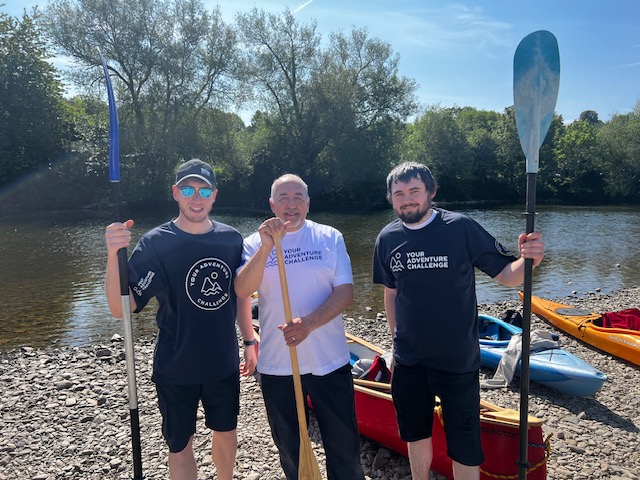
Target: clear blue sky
[462, 53]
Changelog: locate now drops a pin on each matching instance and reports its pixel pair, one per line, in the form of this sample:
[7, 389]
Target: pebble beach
[64, 412]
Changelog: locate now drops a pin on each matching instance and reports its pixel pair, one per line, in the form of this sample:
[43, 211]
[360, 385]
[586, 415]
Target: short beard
[414, 217]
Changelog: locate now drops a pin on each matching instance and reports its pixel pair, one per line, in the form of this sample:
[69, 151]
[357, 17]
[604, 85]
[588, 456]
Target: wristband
[248, 343]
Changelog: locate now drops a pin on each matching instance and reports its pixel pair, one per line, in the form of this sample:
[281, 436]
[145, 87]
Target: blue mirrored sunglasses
[187, 191]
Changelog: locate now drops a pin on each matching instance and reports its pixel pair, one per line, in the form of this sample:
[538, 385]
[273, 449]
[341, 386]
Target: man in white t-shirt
[320, 288]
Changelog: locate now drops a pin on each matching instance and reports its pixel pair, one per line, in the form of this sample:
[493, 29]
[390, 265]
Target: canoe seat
[489, 330]
[375, 369]
[628, 319]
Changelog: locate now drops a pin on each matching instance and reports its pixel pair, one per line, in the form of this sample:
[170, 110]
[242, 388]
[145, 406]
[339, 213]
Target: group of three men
[203, 273]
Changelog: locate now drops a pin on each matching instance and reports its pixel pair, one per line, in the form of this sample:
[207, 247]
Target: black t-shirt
[433, 272]
[192, 278]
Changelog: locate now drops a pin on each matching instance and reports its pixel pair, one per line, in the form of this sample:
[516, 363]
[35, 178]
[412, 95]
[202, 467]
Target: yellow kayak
[587, 326]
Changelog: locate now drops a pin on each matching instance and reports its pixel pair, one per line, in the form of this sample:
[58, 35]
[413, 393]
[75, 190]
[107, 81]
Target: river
[52, 265]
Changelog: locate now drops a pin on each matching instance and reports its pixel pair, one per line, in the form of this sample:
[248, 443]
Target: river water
[52, 265]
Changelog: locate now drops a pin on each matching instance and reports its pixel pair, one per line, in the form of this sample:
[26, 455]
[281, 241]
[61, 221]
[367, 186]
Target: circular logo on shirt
[208, 283]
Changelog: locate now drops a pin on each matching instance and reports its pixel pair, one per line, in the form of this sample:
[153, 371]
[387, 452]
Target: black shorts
[179, 407]
[334, 406]
[414, 390]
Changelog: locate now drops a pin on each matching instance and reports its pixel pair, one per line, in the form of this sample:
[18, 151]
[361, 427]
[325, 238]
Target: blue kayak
[552, 367]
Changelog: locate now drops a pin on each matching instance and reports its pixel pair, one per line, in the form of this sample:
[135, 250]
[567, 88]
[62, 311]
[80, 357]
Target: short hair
[288, 177]
[408, 170]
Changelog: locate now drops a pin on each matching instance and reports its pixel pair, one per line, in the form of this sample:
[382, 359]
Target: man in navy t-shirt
[188, 265]
[426, 260]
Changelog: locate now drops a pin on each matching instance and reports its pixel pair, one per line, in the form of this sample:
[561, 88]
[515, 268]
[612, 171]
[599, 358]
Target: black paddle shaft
[530, 213]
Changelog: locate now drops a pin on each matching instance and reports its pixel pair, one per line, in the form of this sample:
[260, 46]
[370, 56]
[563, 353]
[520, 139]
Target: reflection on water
[52, 266]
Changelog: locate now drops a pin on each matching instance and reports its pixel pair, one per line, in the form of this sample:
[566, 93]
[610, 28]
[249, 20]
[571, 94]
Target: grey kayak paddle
[536, 79]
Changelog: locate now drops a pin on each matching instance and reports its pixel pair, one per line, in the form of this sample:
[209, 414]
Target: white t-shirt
[316, 261]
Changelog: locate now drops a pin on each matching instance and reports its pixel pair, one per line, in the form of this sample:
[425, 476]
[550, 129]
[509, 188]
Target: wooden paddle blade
[536, 80]
[308, 466]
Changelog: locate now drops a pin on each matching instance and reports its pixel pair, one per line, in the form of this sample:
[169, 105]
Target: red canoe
[500, 428]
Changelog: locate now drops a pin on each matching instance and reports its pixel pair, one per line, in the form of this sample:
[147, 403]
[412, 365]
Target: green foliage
[171, 61]
[33, 127]
[439, 142]
[620, 139]
[336, 113]
[333, 115]
[577, 174]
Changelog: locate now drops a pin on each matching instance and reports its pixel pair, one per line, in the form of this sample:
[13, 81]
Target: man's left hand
[295, 332]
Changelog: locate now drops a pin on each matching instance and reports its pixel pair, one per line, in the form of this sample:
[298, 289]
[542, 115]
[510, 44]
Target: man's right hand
[269, 229]
[117, 236]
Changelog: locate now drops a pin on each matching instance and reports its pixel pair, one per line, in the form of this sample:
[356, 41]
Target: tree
[620, 138]
[173, 61]
[591, 117]
[361, 104]
[279, 58]
[437, 140]
[478, 127]
[333, 114]
[578, 175]
[224, 138]
[33, 125]
[509, 156]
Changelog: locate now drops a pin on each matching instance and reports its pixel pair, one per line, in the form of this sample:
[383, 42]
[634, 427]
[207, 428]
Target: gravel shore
[64, 413]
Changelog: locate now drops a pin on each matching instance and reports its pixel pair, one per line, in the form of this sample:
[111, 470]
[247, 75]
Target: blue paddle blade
[114, 142]
[536, 80]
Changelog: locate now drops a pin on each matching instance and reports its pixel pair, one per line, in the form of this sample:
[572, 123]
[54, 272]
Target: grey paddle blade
[536, 79]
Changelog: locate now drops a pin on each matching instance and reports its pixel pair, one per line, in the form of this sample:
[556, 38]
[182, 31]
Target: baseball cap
[198, 169]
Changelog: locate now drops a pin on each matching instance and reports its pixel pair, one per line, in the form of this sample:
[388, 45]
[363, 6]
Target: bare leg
[465, 472]
[420, 456]
[223, 452]
[182, 465]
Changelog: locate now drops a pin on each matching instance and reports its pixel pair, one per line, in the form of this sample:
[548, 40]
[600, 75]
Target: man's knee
[226, 438]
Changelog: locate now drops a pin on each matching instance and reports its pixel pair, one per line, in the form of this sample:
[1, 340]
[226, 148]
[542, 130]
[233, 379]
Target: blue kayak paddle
[536, 79]
[114, 176]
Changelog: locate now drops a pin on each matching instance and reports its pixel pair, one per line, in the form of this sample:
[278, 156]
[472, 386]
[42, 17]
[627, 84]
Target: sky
[461, 53]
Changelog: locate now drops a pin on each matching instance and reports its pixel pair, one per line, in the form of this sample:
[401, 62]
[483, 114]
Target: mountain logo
[272, 261]
[208, 283]
[396, 263]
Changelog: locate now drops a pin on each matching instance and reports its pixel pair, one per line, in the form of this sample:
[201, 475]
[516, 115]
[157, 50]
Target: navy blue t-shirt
[433, 272]
[192, 278]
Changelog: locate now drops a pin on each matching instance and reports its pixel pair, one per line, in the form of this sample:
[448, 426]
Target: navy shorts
[414, 389]
[179, 407]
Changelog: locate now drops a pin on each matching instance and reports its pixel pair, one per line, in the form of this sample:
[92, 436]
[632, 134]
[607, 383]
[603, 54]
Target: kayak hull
[499, 428]
[552, 367]
[619, 342]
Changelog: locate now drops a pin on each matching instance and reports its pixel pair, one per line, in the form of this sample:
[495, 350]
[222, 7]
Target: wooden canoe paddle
[307, 465]
[536, 79]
